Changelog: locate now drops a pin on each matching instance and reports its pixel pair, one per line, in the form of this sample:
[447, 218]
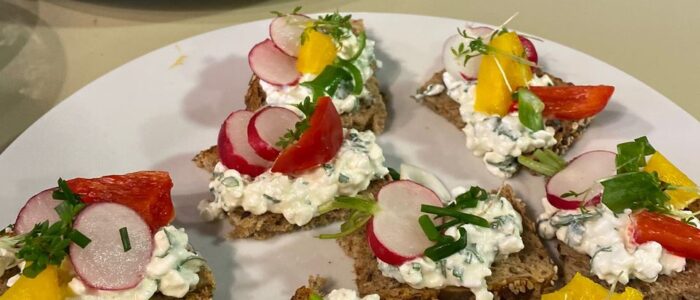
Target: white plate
[149, 114]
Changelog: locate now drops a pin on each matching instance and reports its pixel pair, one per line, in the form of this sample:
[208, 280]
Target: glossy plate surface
[152, 113]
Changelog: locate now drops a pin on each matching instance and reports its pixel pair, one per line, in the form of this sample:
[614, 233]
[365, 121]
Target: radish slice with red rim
[579, 180]
[530, 51]
[266, 127]
[456, 66]
[103, 264]
[39, 208]
[234, 150]
[272, 65]
[394, 234]
[285, 32]
[427, 179]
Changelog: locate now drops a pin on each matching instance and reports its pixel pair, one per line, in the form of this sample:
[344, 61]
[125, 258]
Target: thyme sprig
[307, 107]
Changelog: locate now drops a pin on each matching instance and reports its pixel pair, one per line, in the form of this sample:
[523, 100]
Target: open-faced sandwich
[507, 106]
[316, 290]
[415, 245]
[328, 56]
[622, 219]
[275, 168]
[102, 238]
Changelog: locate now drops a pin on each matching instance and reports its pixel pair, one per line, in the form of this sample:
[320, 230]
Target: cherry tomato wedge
[146, 192]
[572, 102]
[317, 145]
[675, 236]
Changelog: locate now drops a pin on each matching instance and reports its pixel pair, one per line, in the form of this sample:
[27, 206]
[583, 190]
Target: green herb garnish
[307, 107]
[574, 194]
[470, 198]
[530, 109]
[477, 46]
[429, 228]
[126, 243]
[465, 218]
[447, 247]
[395, 175]
[634, 190]
[48, 244]
[544, 162]
[363, 209]
[335, 25]
[631, 156]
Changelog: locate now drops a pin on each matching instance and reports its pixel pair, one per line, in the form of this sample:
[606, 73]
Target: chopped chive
[361, 42]
[555, 157]
[536, 166]
[79, 238]
[449, 224]
[355, 203]
[394, 174]
[355, 222]
[428, 228]
[464, 217]
[446, 248]
[126, 243]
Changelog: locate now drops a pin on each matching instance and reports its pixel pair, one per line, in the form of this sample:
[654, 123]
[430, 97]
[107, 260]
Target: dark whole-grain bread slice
[566, 132]
[203, 291]
[371, 114]
[267, 225]
[678, 286]
[316, 286]
[523, 275]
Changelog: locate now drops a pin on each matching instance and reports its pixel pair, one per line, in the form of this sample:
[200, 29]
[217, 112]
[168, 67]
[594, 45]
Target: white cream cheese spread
[470, 266]
[498, 140]
[359, 161]
[343, 100]
[605, 237]
[345, 294]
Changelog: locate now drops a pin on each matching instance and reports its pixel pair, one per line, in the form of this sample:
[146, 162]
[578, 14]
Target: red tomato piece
[573, 102]
[675, 236]
[146, 192]
[317, 145]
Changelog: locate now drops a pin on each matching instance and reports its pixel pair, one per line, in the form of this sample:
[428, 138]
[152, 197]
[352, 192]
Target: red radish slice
[272, 65]
[103, 264]
[39, 208]
[394, 233]
[530, 51]
[582, 173]
[266, 127]
[234, 150]
[455, 66]
[286, 32]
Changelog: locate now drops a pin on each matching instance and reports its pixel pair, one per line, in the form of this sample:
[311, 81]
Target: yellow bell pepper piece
[317, 51]
[670, 174]
[492, 93]
[582, 288]
[44, 287]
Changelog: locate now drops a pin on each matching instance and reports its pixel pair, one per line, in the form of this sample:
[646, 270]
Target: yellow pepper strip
[317, 51]
[493, 93]
[670, 174]
[44, 287]
[582, 288]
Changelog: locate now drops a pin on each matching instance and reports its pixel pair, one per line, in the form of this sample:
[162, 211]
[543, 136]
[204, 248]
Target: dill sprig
[48, 244]
[307, 107]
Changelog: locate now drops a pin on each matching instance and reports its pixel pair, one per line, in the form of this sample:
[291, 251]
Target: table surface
[51, 49]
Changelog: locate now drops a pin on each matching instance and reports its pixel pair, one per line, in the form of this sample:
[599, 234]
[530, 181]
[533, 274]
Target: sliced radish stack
[285, 32]
[272, 65]
[427, 179]
[581, 176]
[234, 150]
[394, 234]
[455, 66]
[530, 51]
[266, 127]
[103, 264]
[39, 208]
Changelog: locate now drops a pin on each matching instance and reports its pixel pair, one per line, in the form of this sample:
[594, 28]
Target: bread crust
[566, 132]
[523, 275]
